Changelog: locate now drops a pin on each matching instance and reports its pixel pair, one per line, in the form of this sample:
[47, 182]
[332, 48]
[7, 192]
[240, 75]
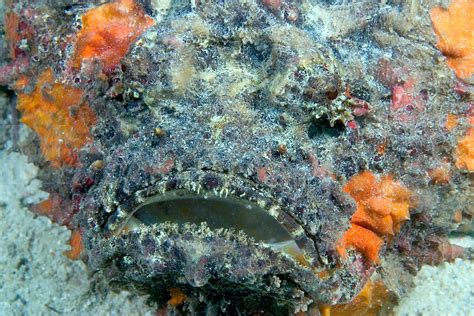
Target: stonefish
[249, 156]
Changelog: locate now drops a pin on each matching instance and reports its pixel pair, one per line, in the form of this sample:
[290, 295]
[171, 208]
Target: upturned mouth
[216, 212]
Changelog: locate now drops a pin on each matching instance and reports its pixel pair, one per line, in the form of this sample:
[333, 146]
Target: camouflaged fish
[246, 157]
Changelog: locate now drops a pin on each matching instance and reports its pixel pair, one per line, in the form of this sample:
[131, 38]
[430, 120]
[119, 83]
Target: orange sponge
[177, 297]
[465, 151]
[454, 28]
[382, 205]
[363, 240]
[60, 117]
[108, 30]
[76, 246]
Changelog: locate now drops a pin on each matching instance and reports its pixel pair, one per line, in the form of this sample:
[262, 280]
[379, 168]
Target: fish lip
[223, 184]
[219, 211]
[201, 182]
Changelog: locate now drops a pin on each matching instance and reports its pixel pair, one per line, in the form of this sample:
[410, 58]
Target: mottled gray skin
[219, 142]
[228, 83]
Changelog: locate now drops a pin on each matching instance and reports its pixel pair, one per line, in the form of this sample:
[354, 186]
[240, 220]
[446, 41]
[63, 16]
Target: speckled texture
[37, 279]
[267, 108]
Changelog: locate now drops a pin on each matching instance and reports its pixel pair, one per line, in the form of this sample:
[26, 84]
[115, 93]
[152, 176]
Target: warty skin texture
[253, 100]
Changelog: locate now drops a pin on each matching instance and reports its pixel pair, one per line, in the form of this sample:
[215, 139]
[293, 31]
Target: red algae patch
[108, 30]
[454, 28]
[11, 31]
[382, 205]
[58, 115]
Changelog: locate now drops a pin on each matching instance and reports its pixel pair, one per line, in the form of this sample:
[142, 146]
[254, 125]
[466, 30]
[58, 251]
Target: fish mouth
[186, 227]
[216, 212]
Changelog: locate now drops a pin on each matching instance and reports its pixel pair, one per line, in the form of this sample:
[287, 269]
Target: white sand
[444, 290]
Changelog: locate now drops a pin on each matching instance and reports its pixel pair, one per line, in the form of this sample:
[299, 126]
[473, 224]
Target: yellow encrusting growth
[451, 122]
